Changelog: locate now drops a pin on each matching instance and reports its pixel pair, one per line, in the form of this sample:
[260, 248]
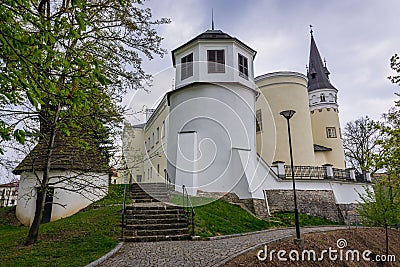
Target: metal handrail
[123, 213]
[189, 208]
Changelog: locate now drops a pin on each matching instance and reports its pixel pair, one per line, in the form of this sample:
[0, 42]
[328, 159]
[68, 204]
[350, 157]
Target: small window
[243, 66]
[322, 96]
[187, 66]
[331, 132]
[158, 135]
[163, 129]
[149, 144]
[258, 121]
[152, 141]
[216, 61]
[158, 168]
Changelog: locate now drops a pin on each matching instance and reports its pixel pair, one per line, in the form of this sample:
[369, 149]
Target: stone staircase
[150, 219]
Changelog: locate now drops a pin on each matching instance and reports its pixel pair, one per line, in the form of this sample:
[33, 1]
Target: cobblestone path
[197, 253]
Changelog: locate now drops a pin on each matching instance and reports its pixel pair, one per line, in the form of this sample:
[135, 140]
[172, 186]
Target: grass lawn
[73, 241]
[219, 217]
[91, 233]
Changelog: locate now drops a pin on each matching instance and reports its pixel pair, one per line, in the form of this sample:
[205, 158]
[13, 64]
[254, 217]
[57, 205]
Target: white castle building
[220, 130]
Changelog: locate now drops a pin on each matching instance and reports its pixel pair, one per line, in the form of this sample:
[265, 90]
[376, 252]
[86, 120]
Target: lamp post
[288, 114]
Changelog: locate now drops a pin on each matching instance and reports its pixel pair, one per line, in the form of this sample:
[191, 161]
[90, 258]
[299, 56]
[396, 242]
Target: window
[163, 129]
[322, 96]
[216, 61]
[187, 66]
[331, 132]
[258, 121]
[243, 66]
[152, 141]
[158, 168]
[148, 143]
[138, 178]
[158, 135]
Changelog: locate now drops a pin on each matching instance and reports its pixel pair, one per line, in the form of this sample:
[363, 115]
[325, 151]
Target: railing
[306, 172]
[123, 223]
[189, 210]
[361, 177]
[341, 174]
[123, 213]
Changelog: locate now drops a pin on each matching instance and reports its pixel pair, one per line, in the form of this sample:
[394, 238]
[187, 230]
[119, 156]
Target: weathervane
[311, 30]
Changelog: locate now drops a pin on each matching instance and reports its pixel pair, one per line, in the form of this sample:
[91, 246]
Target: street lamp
[288, 114]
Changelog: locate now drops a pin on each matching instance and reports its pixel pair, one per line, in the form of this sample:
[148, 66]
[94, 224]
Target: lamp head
[287, 114]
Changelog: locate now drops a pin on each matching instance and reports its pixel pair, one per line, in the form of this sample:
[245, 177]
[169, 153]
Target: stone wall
[319, 203]
[257, 207]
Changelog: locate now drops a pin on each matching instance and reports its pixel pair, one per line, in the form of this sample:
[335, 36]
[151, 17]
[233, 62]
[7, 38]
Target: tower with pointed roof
[324, 110]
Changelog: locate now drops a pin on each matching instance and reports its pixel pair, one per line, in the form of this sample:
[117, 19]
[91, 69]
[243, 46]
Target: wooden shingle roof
[66, 155]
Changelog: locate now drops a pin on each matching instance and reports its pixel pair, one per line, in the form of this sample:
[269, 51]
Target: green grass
[304, 219]
[91, 233]
[218, 217]
[73, 241]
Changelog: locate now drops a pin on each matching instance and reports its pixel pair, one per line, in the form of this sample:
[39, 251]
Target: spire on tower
[318, 73]
[212, 18]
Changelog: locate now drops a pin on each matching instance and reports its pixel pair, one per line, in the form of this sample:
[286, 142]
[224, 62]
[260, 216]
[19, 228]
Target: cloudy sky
[357, 38]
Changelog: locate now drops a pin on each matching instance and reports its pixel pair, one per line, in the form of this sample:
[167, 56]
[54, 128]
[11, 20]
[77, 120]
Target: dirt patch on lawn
[7, 216]
[361, 239]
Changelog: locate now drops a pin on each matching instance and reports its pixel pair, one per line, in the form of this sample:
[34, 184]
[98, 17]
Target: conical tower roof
[318, 73]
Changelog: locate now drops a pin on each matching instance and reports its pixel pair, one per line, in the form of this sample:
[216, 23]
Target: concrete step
[155, 211]
[158, 232]
[144, 200]
[153, 216]
[157, 226]
[156, 238]
[158, 207]
[136, 221]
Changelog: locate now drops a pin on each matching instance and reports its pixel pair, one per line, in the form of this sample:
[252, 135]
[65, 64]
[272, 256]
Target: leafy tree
[64, 66]
[380, 205]
[362, 144]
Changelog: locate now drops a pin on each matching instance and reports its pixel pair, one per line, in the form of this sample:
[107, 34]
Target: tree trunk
[387, 240]
[34, 229]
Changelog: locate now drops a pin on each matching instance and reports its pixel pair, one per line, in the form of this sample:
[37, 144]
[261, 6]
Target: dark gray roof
[140, 126]
[318, 73]
[67, 155]
[318, 148]
[211, 35]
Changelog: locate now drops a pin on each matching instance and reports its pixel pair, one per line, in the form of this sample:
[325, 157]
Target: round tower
[322, 95]
[280, 91]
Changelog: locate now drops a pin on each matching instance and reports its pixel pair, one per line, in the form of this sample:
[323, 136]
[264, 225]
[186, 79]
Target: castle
[220, 131]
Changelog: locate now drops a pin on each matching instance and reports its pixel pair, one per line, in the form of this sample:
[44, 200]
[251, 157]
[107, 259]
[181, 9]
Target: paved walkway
[198, 253]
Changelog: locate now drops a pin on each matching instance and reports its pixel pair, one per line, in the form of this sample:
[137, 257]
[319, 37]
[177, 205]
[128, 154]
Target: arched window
[322, 96]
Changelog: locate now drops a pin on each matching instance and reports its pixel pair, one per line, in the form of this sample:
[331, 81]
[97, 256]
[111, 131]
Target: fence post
[328, 170]
[281, 168]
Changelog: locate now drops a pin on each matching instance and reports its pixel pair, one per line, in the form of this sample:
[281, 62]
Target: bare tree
[362, 144]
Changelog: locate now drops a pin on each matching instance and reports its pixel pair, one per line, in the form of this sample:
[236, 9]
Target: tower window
[331, 132]
[258, 121]
[187, 66]
[216, 61]
[322, 96]
[243, 66]
[158, 135]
